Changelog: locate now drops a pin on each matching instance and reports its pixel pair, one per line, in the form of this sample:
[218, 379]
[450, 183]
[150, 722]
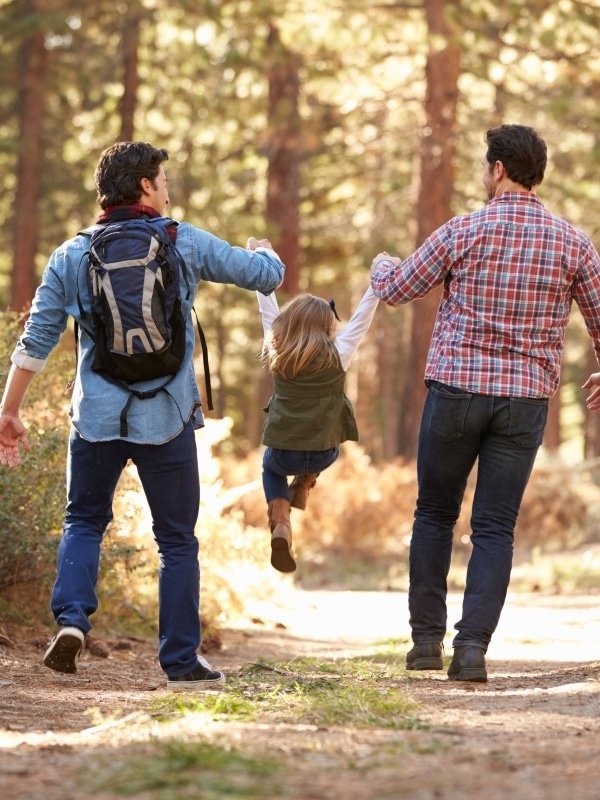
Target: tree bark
[32, 102]
[552, 433]
[283, 148]
[131, 78]
[433, 203]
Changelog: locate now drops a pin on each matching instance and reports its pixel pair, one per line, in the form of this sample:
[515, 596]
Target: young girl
[308, 415]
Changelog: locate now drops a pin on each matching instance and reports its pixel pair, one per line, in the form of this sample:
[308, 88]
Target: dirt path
[530, 733]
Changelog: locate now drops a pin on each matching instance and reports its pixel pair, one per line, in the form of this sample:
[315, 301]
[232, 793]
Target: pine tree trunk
[32, 101]
[552, 432]
[131, 78]
[283, 147]
[433, 204]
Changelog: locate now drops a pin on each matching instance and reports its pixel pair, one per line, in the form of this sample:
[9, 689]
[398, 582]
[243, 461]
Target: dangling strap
[204, 348]
[201, 335]
[71, 382]
[123, 426]
[148, 395]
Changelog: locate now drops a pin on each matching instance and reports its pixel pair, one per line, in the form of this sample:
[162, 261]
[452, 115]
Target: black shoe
[468, 664]
[426, 656]
[64, 650]
[201, 677]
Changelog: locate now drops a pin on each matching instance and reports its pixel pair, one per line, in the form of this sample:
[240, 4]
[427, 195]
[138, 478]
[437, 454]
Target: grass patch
[177, 770]
[354, 693]
[231, 705]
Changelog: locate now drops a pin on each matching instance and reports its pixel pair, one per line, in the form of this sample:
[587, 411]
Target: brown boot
[299, 489]
[281, 535]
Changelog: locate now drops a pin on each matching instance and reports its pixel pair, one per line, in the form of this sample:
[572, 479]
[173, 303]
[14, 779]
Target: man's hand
[253, 243]
[12, 433]
[385, 257]
[593, 399]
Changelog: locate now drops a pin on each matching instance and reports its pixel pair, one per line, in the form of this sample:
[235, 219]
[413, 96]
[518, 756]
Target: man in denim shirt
[131, 183]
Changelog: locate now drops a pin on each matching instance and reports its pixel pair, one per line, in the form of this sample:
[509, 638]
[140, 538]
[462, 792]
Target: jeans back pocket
[446, 409]
[527, 420]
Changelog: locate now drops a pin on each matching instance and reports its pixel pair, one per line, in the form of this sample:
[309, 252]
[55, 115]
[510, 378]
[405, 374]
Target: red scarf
[120, 213]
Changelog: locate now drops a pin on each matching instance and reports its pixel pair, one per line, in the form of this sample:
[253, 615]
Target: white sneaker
[64, 650]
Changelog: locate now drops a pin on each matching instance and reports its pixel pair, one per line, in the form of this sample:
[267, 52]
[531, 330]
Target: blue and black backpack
[134, 279]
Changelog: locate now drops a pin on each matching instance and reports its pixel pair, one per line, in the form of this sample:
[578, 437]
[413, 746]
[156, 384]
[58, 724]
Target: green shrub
[33, 495]
[33, 499]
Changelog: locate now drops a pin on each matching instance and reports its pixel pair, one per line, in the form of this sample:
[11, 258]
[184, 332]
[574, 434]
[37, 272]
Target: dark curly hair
[521, 150]
[121, 168]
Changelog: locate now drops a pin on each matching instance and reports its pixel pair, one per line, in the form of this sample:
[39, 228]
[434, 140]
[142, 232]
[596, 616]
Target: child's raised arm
[348, 340]
[269, 309]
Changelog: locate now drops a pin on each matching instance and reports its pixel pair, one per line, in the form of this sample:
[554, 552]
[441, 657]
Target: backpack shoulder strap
[90, 229]
[85, 232]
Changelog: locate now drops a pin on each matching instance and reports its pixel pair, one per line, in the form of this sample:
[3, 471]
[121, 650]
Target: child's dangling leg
[275, 484]
[281, 535]
[299, 489]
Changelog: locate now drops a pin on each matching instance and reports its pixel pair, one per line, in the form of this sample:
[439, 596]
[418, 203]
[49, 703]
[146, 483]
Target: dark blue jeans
[457, 429]
[169, 476]
[279, 464]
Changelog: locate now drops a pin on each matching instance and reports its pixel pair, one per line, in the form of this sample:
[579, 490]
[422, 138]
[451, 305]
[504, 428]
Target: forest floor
[531, 733]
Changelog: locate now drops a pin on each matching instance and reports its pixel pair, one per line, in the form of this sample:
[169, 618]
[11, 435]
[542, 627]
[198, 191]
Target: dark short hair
[121, 168]
[521, 150]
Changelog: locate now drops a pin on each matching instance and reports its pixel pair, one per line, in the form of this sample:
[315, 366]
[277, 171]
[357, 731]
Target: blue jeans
[457, 429]
[279, 464]
[169, 476]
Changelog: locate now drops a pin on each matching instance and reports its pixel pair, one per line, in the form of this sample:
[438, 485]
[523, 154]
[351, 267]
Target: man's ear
[499, 171]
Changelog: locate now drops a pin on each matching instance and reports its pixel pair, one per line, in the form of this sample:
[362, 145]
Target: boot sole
[474, 674]
[281, 557]
[426, 663]
[63, 653]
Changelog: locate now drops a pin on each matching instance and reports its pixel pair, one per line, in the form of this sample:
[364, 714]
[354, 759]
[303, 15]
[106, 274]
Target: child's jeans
[279, 464]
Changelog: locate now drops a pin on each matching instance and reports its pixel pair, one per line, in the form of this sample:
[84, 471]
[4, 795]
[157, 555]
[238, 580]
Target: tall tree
[31, 104]
[131, 78]
[434, 197]
[284, 156]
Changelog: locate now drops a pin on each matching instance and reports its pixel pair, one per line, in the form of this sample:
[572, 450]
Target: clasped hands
[384, 256]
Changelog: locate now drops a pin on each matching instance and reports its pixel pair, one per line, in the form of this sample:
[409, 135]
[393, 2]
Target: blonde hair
[301, 337]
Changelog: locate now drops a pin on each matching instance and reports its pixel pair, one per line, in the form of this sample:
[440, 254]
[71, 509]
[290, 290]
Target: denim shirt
[96, 403]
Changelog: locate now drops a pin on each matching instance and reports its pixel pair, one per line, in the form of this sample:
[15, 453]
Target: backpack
[134, 283]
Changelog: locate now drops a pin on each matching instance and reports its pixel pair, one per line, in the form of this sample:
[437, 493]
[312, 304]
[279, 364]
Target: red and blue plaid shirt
[510, 272]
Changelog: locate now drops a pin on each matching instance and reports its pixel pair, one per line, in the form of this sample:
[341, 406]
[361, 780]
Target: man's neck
[507, 185]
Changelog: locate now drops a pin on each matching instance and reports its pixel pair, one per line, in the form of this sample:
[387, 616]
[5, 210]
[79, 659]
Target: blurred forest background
[336, 128]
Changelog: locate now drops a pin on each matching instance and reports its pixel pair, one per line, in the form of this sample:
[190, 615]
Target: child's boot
[299, 489]
[281, 535]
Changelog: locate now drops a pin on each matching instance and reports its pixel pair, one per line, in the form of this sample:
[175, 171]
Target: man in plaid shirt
[510, 272]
